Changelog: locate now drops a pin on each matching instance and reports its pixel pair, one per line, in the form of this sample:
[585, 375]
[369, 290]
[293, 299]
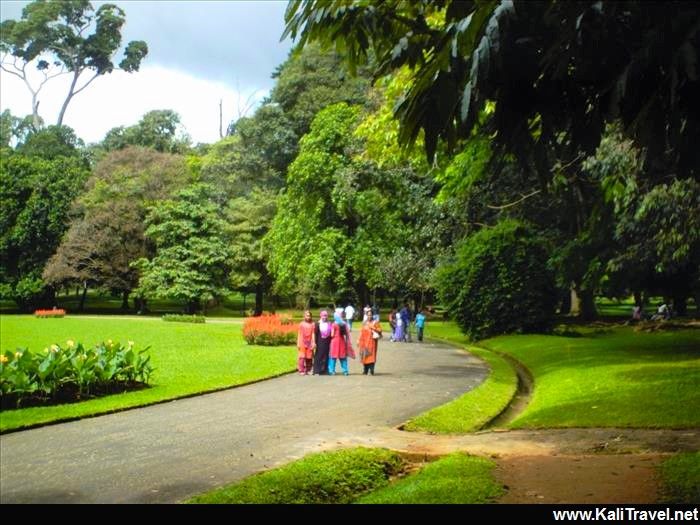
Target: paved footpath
[168, 452]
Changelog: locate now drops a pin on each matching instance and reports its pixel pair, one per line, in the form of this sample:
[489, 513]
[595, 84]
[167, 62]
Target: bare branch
[521, 199]
[15, 73]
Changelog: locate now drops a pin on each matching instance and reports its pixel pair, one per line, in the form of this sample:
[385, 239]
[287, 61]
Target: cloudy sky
[199, 52]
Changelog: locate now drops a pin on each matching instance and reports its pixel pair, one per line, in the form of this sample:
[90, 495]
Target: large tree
[65, 37]
[192, 260]
[34, 213]
[98, 251]
[107, 232]
[342, 217]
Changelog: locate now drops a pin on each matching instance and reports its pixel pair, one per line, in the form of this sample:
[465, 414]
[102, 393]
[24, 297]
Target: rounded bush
[498, 282]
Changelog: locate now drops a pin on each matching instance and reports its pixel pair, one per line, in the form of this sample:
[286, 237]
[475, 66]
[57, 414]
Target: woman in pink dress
[341, 345]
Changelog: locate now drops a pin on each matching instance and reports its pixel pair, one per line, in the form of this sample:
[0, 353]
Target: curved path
[167, 452]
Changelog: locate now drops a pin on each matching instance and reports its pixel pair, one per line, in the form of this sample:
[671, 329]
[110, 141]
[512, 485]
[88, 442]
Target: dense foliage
[70, 373]
[498, 282]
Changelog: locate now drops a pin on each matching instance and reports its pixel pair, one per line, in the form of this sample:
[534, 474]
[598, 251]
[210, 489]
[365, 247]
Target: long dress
[340, 343]
[399, 333]
[305, 346]
[322, 336]
[368, 344]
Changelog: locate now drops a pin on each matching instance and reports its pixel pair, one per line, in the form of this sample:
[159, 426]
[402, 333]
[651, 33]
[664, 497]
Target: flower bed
[45, 314]
[269, 330]
[71, 373]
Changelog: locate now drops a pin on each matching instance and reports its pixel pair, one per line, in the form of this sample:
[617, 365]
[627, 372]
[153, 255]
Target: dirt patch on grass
[628, 478]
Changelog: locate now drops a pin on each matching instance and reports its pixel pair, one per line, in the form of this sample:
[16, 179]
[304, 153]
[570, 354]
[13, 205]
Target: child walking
[305, 344]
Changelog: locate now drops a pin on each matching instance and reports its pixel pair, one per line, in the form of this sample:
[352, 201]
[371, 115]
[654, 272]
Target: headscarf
[324, 320]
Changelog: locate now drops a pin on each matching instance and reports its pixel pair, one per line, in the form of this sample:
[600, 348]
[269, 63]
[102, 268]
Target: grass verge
[362, 475]
[330, 477]
[457, 478]
[680, 476]
[477, 407]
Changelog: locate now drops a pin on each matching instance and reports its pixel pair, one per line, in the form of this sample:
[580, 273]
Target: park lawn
[475, 408]
[680, 476]
[453, 479]
[188, 359]
[328, 477]
[609, 378]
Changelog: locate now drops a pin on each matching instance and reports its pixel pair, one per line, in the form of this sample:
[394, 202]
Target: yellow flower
[70, 343]
[131, 343]
[54, 348]
[109, 342]
[46, 350]
[18, 355]
[3, 359]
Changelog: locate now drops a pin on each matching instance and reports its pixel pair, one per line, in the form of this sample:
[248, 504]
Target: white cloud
[121, 99]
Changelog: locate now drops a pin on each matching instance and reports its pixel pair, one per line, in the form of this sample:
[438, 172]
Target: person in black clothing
[322, 334]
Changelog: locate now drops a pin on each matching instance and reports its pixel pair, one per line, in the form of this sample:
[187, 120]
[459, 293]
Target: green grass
[622, 308]
[680, 476]
[613, 378]
[477, 407]
[457, 478]
[331, 477]
[188, 359]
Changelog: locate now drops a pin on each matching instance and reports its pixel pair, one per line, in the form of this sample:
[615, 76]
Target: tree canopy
[555, 70]
[52, 35]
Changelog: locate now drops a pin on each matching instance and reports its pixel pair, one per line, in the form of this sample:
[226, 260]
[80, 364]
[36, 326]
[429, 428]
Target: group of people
[323, 343]
[663, 312]
[400, 321]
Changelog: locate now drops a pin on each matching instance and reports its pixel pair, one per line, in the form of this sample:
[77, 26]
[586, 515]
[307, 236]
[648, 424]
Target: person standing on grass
[369, 341]
[420, 323]
[322, 339]
[305, 344]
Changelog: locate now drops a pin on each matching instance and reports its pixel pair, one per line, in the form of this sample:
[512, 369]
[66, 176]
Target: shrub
[45, 314]
[498, 282]
[184, 318]
[70, 373]
[269, 330]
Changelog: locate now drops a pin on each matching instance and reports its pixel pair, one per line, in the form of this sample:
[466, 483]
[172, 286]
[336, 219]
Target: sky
[200, 52]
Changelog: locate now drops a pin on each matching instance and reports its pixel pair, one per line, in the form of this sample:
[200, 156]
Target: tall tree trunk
[36, 119]
[81, 306]
[258, 300]
[125, 300]
[565, 303]
[245, 295]
[362, 292]
[583, 304]
[64, 107]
